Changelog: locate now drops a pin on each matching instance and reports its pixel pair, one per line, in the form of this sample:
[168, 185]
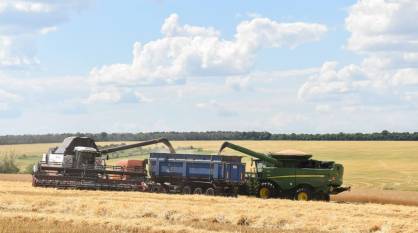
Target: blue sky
[280, 66]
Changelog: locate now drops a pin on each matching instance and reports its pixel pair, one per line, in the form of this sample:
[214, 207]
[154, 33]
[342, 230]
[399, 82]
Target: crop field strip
[356, 195]
[27, 209]
[385, 165]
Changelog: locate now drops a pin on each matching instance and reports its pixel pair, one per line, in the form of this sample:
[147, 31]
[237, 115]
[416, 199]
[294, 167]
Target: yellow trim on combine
[298, 176]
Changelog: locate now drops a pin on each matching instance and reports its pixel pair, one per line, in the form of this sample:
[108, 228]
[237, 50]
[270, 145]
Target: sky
[241, 65]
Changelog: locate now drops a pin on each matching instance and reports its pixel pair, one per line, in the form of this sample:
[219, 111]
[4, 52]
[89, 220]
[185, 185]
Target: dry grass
[16, 177]
[27, 209]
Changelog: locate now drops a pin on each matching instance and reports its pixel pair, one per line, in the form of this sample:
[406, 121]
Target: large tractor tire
[210, 192]
[187, 190]
[198, 191]
[266, 190]
[163, 189]
[303, 194]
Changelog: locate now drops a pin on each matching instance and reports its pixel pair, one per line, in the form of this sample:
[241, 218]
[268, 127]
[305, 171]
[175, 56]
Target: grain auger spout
[249, 152]
[140, 144]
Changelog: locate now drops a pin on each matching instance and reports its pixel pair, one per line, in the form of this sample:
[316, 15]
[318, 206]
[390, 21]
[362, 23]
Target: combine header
[78, 163]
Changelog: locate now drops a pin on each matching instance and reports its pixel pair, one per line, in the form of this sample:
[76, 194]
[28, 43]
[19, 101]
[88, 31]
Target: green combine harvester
[291, 174]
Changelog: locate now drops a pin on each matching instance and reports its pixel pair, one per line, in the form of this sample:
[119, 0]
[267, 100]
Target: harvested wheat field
[27, 209]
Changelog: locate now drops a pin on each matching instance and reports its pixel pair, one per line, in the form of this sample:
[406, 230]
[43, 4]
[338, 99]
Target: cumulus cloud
[22, 21]
[9, 97]
[25, 6]
[185, 51]
[406, 76]
[382, 25]
[111, 95]
[385, 33]
[219, 108]
[143, 98]
[7, 102]
[332, 82]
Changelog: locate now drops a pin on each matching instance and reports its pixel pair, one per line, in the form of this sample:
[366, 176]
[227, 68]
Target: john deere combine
[291, 174]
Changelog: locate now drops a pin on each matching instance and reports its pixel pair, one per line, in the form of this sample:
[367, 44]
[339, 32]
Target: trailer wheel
[198, 191]
[235, 191]
[303, 194]
[210, 192]
[187, 190]
[266, 190]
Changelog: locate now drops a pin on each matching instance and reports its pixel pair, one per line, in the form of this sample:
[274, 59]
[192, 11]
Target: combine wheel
[303, 194]
[210, 192]
[34, 182]
[187, 190]
[155, 189]
[198, 191]
[266, 190]
[162, 189]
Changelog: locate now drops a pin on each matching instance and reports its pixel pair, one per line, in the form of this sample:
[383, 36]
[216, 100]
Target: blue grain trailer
[197, 174]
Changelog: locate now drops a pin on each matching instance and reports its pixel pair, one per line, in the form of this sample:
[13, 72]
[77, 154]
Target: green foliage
[213, 135]
[29, 168]
[8, 165]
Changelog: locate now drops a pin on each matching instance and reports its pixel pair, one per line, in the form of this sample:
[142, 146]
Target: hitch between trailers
[340, 190]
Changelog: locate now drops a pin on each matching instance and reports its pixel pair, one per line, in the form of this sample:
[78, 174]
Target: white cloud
[281, 120]
[331, 82]
[111, 95]
[323, 108]
[142, 98]
[220, 109]
[385, 33]
[383, 25]
[9, 97]
[172, 28]
[186, 51]
[406, 77]
[47, 30]
[25, 6]
[22, 22]
[238, 83]
[8, 101]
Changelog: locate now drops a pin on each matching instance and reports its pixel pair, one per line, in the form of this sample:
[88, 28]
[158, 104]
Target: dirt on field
[27, 209]
[378, 196]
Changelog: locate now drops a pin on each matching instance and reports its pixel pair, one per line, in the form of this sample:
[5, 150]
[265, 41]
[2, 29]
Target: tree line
[212, 135]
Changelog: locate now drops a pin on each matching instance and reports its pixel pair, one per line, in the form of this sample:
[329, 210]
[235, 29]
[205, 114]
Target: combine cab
[78, 163]
[291, 174]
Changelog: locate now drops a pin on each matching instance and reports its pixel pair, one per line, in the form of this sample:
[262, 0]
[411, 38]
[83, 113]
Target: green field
[384, 165]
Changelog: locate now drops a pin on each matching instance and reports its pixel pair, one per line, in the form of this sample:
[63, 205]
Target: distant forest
[213, 135]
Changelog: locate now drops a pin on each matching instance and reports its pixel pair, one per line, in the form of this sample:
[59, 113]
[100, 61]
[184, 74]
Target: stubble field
[27, 209]
[379, 172]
